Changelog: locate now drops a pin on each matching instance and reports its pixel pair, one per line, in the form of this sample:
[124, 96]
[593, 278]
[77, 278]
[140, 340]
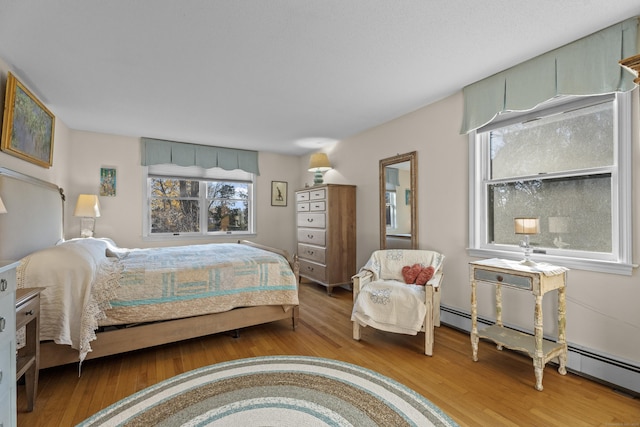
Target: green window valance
[393, 176]
[588, 66]
[157, 151]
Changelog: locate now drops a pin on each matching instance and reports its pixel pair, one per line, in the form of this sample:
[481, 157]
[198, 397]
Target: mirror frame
[412, 158]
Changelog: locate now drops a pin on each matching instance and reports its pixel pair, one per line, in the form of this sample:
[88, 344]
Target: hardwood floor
[498, 390]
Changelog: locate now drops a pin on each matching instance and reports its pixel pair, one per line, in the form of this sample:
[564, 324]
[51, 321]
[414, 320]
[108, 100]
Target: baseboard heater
[623, 376]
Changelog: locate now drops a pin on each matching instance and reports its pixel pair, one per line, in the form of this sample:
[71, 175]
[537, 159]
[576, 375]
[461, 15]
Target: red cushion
[425, 275]
[409, 273]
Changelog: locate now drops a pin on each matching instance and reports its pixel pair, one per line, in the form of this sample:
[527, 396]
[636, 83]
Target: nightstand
[28, 360]
[538, 279]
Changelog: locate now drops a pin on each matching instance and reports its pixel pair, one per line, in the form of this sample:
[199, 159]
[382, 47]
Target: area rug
[275, 391]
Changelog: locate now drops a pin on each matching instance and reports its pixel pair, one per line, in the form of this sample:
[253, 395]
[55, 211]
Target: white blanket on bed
[68, 272]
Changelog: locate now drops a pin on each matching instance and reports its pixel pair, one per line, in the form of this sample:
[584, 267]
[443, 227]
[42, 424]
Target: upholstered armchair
[384, 300]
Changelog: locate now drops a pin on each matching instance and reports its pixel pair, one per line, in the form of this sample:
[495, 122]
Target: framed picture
[27, 130]
[108, 181]
[278, 193]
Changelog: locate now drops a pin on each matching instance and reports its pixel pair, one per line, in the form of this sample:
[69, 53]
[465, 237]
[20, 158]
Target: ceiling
[282, 76]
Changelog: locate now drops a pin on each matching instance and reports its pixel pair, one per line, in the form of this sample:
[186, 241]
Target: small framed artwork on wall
[108, 181]
[278, 193]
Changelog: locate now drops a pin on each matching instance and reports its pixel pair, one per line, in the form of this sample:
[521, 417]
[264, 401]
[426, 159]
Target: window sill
[198, 237]
[600, 266]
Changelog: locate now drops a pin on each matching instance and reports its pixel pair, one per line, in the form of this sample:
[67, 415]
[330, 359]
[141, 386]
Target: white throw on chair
[384, 301]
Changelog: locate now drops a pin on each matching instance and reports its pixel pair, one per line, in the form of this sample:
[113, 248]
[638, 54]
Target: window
[567, 164]
[192, 201]
[390, 207]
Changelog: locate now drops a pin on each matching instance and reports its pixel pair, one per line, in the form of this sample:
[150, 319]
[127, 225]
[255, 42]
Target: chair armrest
[436, 281]
[359, 280]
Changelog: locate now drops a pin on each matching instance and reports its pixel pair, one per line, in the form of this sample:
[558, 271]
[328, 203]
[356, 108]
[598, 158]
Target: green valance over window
[157, 151]
[393, 176]
[588, 66]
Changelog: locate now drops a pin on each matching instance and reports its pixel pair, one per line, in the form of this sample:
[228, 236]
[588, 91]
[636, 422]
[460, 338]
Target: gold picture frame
[28, 126]
[278, 193]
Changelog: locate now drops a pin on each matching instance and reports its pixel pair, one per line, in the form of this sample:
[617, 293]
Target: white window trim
[195, 173]
[621, 206]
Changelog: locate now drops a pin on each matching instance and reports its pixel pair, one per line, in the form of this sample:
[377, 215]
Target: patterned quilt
[92, 282]
[175, 282]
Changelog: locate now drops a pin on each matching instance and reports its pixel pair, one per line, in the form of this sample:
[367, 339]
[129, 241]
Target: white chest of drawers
[326, 231]
[8, 413]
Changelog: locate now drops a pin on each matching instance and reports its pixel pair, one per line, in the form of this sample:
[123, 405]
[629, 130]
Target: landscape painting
[28, 126]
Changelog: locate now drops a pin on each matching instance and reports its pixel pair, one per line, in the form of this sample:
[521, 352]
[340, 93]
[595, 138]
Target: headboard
[35, 214]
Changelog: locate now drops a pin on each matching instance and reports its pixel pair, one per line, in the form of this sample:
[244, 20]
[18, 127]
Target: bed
[98, 284]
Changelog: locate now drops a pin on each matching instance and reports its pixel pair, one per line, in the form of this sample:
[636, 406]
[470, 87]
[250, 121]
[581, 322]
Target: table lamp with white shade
[526, 227]
[87, 207]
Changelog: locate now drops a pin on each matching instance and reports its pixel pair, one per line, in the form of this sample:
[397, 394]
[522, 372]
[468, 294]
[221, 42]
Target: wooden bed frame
[19, 192]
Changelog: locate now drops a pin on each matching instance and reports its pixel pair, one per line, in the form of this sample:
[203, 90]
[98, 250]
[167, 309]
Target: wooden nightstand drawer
[27, 311]
[520, 282]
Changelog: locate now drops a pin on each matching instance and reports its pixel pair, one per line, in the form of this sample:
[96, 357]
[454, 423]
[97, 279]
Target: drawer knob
[309, 252]
[29, 313]
[500, 278]
[310, 268]
[3, 285]
[309, 219]
[310, 236]
[3, 323]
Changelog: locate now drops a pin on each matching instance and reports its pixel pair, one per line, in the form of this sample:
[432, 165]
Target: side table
[28, 359]
[538, 279]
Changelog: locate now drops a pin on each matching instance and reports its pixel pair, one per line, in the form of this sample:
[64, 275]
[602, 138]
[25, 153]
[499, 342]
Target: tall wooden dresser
[8, 413]
[326, 230]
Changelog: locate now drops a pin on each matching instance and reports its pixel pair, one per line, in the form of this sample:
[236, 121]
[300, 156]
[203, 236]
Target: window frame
[202, 176]
[619, 261]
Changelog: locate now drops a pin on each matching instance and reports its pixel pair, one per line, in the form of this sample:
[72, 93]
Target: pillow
[425, 275]
[410, 273]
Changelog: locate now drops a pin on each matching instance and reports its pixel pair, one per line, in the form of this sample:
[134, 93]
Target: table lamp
[526, 227]
[319, 163]
[87, 207]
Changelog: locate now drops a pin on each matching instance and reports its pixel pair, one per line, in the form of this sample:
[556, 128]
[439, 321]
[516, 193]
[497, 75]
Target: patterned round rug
[275, 391]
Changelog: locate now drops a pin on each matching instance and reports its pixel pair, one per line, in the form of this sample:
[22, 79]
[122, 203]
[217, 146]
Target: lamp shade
[526, 225]
[2, 208]
[87, 206]
[319, 162]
